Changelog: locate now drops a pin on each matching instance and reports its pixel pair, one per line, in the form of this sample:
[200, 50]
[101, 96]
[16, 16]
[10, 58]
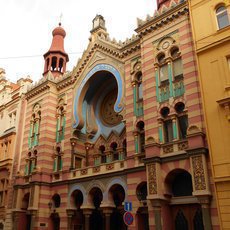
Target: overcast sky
[26, 29]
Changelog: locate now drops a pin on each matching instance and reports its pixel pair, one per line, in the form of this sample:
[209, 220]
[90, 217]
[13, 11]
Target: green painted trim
[174, 130]
[170, 74]
[57, 133]
[63, 127]
[135, 100]
[61, 164]
[136, 145]
[160, 130]
[55, 165]
[157, 84]
[30, 136]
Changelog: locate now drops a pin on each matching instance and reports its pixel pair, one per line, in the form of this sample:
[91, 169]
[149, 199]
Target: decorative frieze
[198, 173]
[152, 179]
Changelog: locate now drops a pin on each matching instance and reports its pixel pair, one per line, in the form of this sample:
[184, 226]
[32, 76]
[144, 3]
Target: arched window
[60, 124]
[167, 125]
[140, 87]
[54, 63]
[35, 126]
[163, 68]
[141, 136]
[102, 152]
[113, 147]
[58, 160]
[222, 17]
[177, 63]
[182, 120]
[60, 66]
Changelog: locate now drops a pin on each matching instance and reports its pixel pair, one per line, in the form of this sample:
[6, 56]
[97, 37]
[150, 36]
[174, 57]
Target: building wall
[148, 165]
[212, 49]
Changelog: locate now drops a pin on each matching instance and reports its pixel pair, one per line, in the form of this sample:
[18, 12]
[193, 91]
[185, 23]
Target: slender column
[157, 83]
[70, 214]
[204, 201]
[175, 136]
[87, 148]
[156, 203]
[87, 212]
[73, 142]
[107, 211]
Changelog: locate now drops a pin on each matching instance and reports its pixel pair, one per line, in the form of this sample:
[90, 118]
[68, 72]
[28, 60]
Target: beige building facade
[211, 32]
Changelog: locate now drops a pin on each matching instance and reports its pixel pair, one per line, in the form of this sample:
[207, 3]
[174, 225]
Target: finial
[60, 18]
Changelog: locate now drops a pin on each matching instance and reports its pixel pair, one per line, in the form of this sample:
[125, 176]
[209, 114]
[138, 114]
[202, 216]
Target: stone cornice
[38, 89]
[154, 23]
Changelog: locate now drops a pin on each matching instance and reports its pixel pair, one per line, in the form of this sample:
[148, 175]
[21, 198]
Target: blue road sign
[128, 206]
[128, 218]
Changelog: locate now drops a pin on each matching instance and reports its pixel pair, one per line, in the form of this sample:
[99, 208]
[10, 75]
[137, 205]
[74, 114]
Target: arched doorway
[25, 217]
[185, 209]
[55, 220]
[117, 193]
[78, 217]
[142, 213]
[96, 218]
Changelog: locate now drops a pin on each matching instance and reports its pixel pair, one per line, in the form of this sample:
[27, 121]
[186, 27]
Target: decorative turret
[99, 28]
[56, 57]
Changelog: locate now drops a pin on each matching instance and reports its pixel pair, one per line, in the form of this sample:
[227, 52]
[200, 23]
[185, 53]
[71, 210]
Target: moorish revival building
[126, 124]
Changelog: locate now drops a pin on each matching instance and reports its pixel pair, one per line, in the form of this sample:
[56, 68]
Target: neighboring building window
[3, 191]
[222, 17]
[228, 60]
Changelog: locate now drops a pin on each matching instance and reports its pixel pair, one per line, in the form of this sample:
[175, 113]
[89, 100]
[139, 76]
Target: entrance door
[187, 217]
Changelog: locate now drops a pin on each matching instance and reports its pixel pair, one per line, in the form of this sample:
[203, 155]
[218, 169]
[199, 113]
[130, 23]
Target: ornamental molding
[152, 179]
[161, 20]
[198, 173]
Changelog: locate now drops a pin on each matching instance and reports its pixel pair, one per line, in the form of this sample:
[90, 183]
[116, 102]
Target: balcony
[103, 163]
[175, 146]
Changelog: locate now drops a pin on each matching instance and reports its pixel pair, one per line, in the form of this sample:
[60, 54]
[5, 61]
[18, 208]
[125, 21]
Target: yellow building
[211, 30]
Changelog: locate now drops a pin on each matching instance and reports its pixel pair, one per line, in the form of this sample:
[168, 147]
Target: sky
[26, 29]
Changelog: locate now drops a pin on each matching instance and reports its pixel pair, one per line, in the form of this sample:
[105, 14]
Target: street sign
[128, 218]
[128, 206]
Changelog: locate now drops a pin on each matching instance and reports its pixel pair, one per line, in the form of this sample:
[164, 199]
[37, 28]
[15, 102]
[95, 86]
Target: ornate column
[33, 217]
[73, 141]
[201, 184]
[154, 190]
[87, 212]
[70, 214]
[87, 148]
[107, 211]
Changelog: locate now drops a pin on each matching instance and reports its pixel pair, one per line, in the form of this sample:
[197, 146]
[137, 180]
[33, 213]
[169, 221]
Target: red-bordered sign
[128, 218]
